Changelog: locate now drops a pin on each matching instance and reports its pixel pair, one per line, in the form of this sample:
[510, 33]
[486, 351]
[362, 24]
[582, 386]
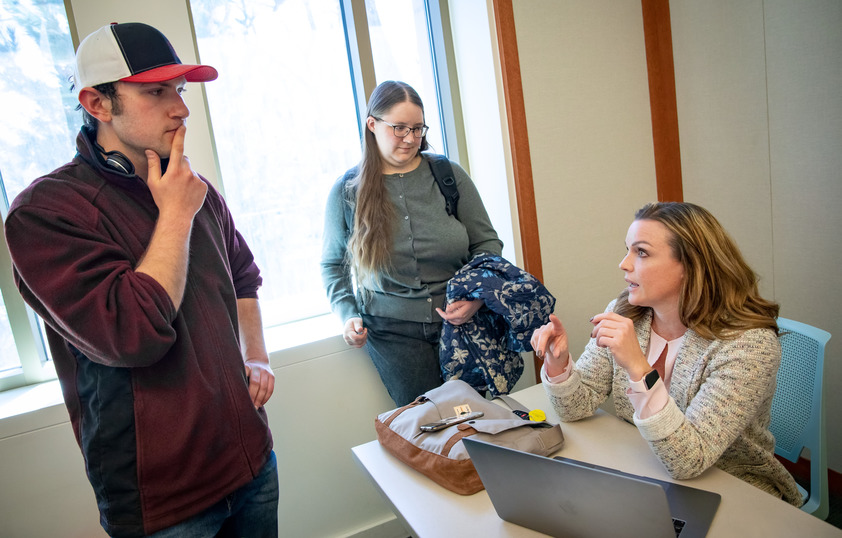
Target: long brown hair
[370, 243]
[719, 296]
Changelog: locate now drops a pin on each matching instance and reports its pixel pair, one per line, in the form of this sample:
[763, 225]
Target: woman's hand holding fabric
[458, 312]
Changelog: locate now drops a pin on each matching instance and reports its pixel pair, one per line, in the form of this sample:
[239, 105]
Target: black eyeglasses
[402, 130]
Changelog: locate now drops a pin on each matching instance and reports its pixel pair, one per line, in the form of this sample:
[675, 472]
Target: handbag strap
[396, 413]
[460, 434]
[513, 404]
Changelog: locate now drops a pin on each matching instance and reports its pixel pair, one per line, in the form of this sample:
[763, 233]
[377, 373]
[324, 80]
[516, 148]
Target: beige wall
[760, 119]
[586, 94]
[723, 122]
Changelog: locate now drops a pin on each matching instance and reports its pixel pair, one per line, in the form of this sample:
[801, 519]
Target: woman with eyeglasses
[390, 246]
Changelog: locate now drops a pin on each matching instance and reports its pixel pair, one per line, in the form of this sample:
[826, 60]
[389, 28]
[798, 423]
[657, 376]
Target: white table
[429, 510]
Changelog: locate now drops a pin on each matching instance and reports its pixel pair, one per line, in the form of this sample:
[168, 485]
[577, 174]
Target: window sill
[283, 339]
[31, 408]
[41, 405]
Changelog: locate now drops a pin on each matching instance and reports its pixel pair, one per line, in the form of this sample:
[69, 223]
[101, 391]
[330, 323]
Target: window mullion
[360, 58]
[447, 85]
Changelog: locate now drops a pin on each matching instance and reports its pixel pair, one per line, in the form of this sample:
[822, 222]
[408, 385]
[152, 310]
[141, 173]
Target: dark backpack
[442, 172]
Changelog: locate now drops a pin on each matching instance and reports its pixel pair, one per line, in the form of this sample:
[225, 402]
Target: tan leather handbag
[440, 455]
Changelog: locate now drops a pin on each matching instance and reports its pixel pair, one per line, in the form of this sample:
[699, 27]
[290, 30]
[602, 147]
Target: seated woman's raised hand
[617, 333]
[550, 344]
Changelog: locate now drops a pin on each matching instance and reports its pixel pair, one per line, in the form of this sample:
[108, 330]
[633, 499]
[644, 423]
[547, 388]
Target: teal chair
[798, 407]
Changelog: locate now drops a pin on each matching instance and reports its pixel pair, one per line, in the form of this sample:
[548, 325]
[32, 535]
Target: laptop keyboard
[678, 524]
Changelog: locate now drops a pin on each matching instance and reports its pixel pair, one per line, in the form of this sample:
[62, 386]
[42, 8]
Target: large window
[38, 126]
[286, 121]
[400, 48]
[285, 113]
[285, 125]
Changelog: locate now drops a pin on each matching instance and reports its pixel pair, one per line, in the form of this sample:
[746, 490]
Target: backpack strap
[349, 195]
[443, 173]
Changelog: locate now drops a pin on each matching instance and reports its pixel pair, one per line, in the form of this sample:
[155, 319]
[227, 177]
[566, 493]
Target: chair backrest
[798, 406]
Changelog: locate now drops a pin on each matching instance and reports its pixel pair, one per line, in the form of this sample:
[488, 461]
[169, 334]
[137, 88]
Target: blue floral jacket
[485, 351]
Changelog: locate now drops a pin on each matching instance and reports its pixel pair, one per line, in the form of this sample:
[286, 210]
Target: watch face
[651, 378]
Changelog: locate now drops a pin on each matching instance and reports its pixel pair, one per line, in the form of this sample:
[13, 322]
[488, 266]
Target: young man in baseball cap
[149, 297]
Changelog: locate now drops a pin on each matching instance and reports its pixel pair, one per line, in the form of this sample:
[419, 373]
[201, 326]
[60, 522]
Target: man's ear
[95, 104]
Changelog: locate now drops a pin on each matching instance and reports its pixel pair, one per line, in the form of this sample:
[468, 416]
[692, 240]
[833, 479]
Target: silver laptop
[564, 497]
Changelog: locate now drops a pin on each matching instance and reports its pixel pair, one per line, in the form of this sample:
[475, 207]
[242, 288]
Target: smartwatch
[651, 378]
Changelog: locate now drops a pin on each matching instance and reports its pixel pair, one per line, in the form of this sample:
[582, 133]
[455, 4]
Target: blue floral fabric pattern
[485, 351]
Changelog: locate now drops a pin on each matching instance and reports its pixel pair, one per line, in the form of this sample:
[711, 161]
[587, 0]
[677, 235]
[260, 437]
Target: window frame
[363, 79]
[35, 365]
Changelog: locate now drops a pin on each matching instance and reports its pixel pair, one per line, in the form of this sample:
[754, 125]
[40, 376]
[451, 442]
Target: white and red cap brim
[132, 52]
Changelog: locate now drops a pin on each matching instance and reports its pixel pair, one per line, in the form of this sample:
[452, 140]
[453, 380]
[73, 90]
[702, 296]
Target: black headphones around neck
[116, 160]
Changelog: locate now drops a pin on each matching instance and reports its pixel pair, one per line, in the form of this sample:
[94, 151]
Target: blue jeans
[406, 355]
[249, 512]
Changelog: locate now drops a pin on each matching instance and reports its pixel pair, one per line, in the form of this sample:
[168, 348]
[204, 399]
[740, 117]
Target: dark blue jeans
[249, 512]
[406, 355]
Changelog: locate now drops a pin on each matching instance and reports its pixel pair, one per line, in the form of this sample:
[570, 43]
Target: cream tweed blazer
[718, 412]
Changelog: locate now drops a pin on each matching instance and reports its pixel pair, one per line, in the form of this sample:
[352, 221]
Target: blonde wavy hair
[719, 297]
[371, 240]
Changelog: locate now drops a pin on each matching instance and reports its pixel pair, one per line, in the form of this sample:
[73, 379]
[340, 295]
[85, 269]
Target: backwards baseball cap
[132, 52]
